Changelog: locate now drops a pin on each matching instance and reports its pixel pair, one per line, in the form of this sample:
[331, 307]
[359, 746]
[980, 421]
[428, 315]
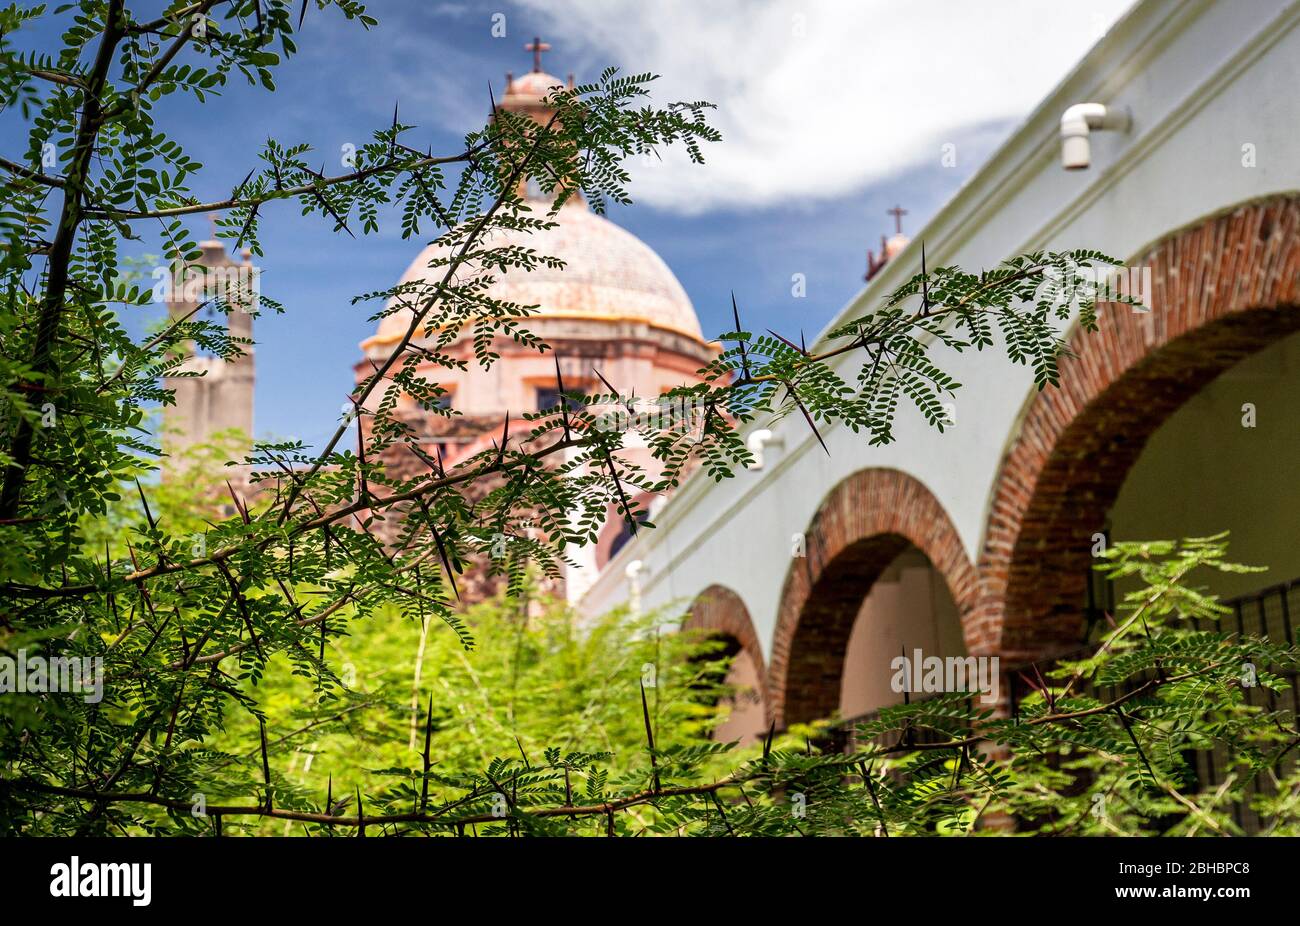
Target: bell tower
[527, 96]
[212, 395]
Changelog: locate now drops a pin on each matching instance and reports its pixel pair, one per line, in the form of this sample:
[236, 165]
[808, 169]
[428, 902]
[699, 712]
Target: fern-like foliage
[186, 618]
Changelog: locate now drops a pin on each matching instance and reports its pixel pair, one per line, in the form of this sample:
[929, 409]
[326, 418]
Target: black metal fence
[1268, 614]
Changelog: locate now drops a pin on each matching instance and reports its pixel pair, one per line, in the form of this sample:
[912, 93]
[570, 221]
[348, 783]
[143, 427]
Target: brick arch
[864, 523]
[1221, 290]
[719, 610]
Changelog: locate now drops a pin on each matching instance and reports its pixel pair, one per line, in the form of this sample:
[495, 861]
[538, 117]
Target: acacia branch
[236, 202]
[359, 504]
[27, 173]
[162, 22]
[1054, 717]
[187, 31]
[54, 77]
[418, 317]
[145, 348]
[104, 798]
[60, 255]
[321, 521]
[883, 334]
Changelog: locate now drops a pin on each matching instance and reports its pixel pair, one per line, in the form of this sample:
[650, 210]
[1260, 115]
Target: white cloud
[820, 98]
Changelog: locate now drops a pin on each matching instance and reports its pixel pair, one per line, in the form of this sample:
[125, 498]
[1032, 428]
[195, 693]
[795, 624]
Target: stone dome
[610, 275]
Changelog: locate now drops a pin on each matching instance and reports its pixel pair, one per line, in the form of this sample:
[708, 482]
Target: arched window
[624, 534]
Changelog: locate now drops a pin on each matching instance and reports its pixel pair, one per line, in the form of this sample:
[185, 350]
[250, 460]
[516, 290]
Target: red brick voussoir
[865, 522]
[1221, 290]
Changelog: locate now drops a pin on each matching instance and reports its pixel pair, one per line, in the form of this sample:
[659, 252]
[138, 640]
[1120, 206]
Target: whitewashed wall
[1201, 80]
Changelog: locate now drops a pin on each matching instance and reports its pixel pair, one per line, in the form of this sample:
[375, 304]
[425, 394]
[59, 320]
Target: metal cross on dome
[897, 212]
[537, 46]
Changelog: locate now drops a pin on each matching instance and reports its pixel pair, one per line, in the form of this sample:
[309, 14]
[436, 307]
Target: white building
[1179, 422]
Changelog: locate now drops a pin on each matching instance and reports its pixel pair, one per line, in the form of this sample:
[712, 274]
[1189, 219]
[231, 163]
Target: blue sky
[831, 113]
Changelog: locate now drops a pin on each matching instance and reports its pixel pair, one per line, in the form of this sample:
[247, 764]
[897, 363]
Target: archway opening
[1161, 452]
[1199, 454]
[719, 614]
[1221, 292]
[1226, 460]
[878, 598]
[744, 716]
[866, 522]
[908, 608]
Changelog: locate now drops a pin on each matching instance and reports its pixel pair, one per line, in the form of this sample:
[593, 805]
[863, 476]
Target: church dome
[609, 275]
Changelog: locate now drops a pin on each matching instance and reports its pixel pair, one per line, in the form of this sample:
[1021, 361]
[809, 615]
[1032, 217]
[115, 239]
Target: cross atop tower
[897, 212]
[537, 46]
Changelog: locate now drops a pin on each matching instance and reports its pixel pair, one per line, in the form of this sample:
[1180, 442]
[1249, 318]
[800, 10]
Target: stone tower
[212, 395]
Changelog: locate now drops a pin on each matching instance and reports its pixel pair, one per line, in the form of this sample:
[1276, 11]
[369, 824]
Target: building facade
[1179, 421]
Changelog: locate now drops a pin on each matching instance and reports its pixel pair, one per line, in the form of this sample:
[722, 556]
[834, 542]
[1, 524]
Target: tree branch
[60, 256]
